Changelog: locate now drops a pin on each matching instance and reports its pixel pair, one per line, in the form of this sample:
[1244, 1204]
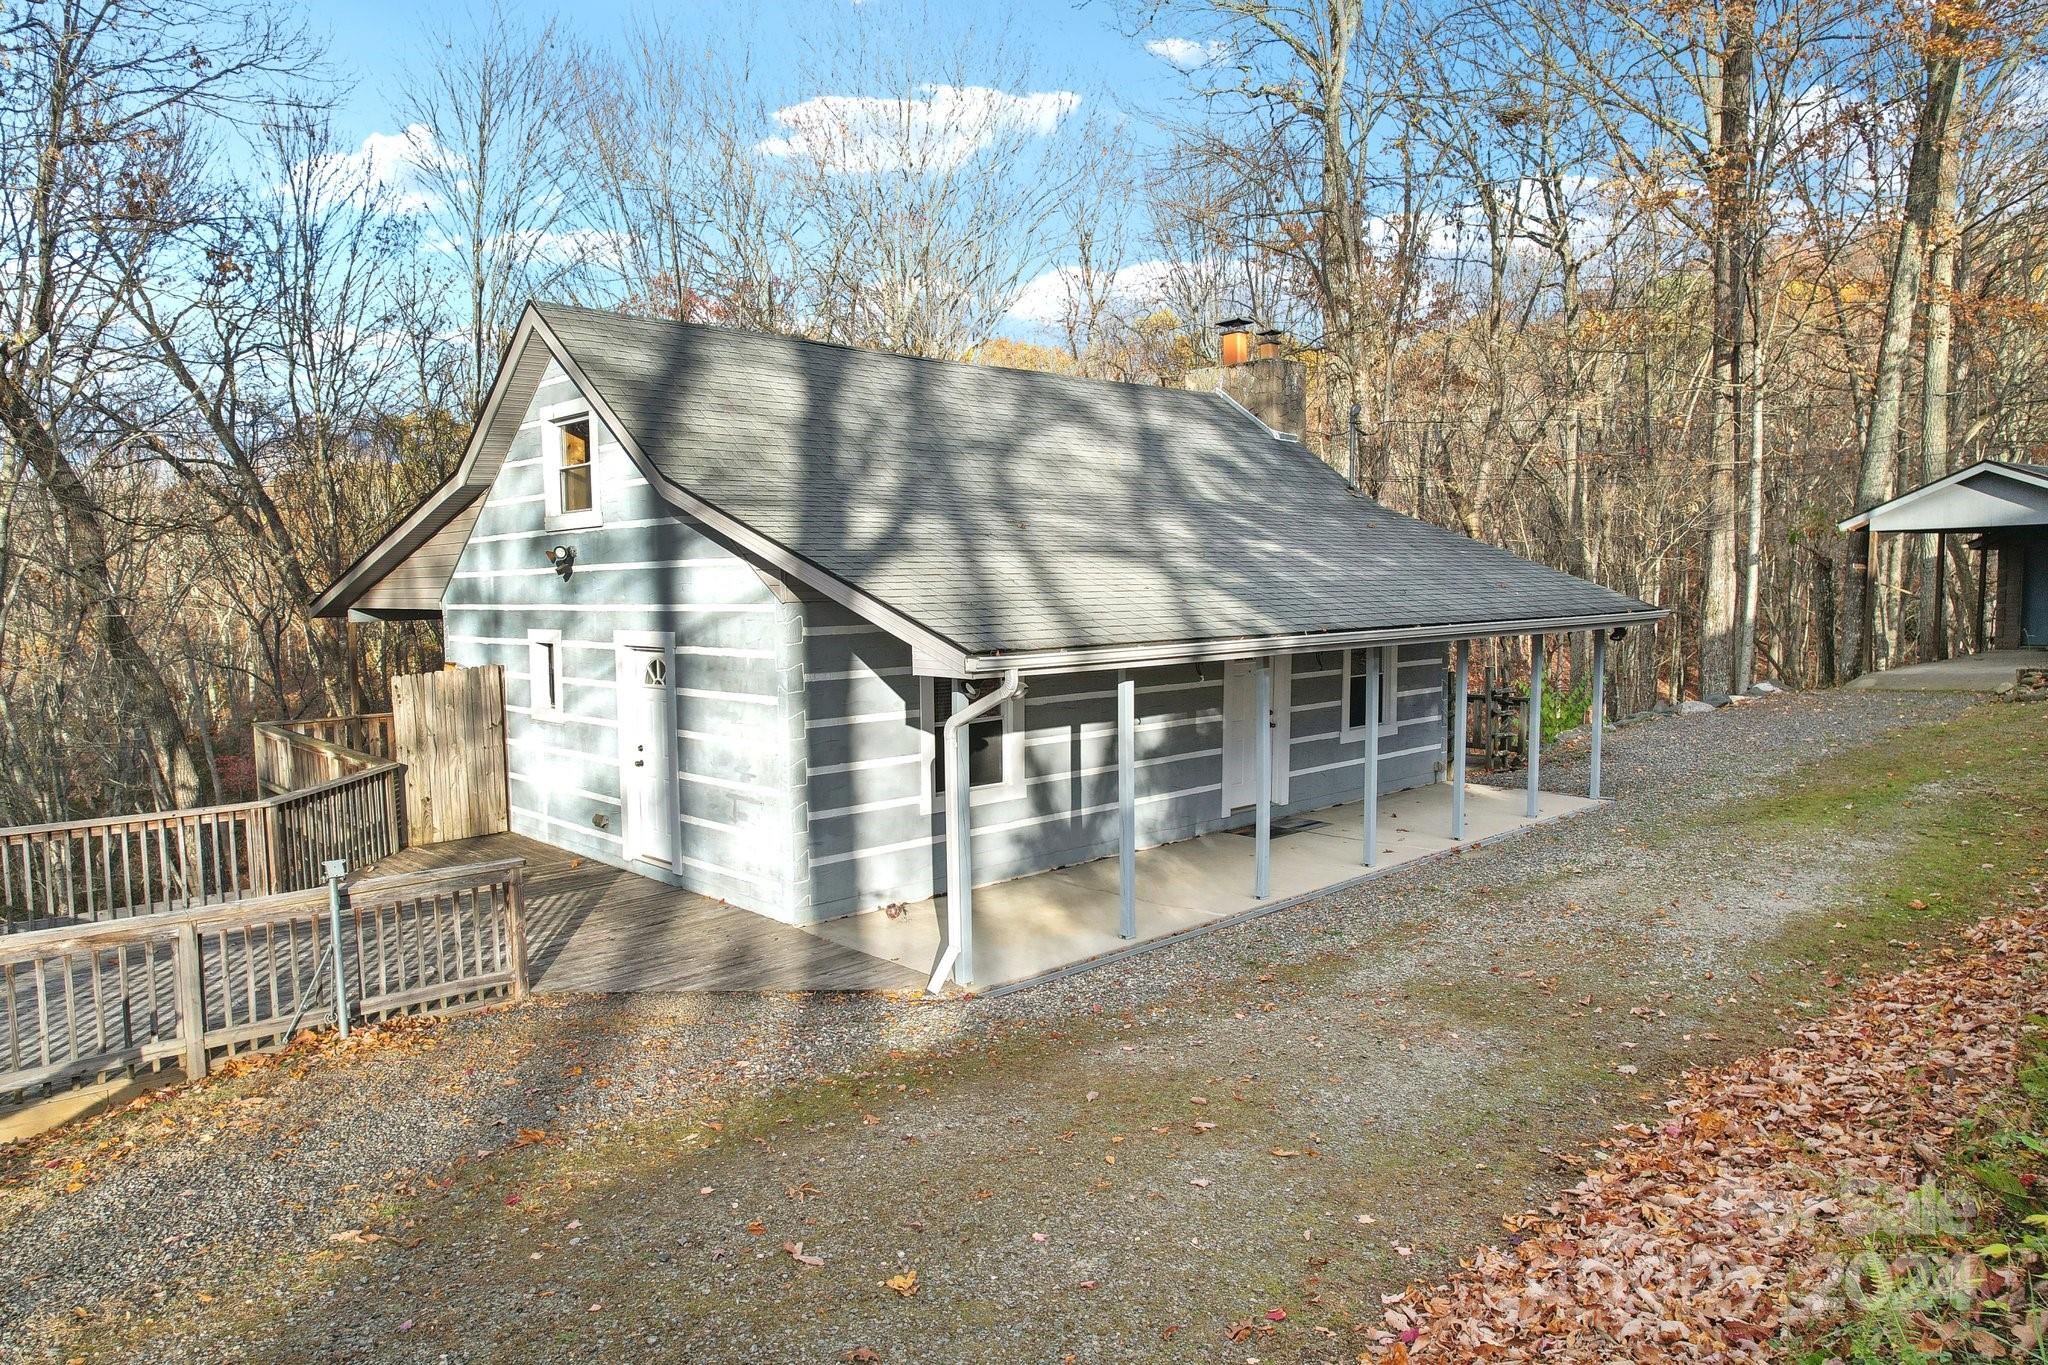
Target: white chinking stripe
[721, 564]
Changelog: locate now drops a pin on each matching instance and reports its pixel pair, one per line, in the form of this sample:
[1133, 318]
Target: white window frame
[931, 734]
[552, 419]
[1390, 693]
[545, 675]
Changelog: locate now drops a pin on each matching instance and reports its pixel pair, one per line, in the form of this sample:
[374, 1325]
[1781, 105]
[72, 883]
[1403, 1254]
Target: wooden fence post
[396, 838]
[515, 929]
[190, 991]
[273, 880]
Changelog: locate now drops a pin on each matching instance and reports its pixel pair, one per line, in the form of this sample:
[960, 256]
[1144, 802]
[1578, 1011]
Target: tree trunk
[1931, 141]
[1730, 192]
[1934, 386]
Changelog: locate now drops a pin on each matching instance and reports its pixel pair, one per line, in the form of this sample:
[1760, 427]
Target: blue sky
[1070, 46]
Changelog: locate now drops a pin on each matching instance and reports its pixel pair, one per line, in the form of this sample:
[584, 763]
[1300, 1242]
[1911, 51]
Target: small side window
[544, 673]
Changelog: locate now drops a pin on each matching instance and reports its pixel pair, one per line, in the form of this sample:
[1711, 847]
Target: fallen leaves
[905, 1284]
[800, 1256]
[1710, 1234]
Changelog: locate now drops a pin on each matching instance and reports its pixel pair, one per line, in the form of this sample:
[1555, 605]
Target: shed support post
[1262, 781]
[1599, 711]
[1459, 684]
[1371, 821]
[1127, 805]
[1534, 732]
[1983, 570]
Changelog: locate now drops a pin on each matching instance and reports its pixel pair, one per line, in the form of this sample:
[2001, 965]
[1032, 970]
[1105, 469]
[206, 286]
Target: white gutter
[1252, 647]
[959, 835]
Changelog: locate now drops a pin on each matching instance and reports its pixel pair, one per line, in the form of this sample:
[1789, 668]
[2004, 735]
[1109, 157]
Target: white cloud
[1045, 298]
[938, 128]
[1186, 53]
[387, 162]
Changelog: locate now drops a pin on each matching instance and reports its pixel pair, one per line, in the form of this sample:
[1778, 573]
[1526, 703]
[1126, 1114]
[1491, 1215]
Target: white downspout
[959, 832]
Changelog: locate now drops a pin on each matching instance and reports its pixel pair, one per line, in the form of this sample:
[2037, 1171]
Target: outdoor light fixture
[563, 557]
[1617, 632]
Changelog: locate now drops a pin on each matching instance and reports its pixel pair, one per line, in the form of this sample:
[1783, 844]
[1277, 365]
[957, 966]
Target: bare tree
[484, 116]
[100, 94]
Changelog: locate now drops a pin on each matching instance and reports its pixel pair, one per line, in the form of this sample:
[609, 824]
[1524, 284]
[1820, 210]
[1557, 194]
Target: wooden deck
[593, 928]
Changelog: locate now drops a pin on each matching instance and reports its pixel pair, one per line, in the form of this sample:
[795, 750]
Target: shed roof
[1009, 514]
[1989, 495]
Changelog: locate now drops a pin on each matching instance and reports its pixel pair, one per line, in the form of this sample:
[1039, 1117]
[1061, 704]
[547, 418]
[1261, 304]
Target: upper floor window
[567, 456]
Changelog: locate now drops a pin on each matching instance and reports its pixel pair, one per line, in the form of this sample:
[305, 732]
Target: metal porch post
[1373, 684]
[1535, 722]
[1599, 709]
[1127, 805]
[1459, 708]
[1262, 781]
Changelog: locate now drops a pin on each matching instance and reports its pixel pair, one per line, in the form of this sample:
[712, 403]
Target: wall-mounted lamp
[1617, 632]
[563, 557]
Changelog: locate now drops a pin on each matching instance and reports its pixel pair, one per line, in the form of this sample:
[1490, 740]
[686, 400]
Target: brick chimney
[1259, 374]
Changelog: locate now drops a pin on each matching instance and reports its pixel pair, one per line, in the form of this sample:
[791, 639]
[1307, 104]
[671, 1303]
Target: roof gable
[1987, 495]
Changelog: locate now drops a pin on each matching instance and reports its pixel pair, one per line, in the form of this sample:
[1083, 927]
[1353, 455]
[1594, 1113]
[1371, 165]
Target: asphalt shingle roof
[1007, 510]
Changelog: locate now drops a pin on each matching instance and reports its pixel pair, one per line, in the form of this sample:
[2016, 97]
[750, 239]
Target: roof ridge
[877, 353]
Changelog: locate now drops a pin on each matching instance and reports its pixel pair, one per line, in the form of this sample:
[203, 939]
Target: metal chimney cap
[1234, 325]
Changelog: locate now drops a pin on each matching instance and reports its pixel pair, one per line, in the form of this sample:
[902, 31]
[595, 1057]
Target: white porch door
[647, 770]
[1240, 731]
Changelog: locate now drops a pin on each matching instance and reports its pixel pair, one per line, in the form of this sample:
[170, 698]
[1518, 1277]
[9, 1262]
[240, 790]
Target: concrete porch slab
[1985, 672]
[1053, 921]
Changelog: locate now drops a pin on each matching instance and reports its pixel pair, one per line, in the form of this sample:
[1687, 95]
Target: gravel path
[140, 1210]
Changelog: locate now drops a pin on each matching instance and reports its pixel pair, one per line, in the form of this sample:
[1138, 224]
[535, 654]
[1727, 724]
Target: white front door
[647, 770]
[1240, 731]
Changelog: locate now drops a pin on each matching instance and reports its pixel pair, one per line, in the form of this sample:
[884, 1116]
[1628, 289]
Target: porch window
[995, 757]
[1354, 692]
[544, 673]
[571, 495]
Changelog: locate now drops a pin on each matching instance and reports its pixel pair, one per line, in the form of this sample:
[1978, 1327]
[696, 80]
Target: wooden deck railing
[88, 871]
[85, 1002]
[294, 754]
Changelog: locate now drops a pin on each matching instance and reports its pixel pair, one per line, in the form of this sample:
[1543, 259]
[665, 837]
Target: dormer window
[568, 453]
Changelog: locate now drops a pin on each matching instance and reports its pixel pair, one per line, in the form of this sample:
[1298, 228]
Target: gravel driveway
[1287, 1116]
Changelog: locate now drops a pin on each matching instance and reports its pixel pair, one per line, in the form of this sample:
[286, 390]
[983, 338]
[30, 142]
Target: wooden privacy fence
[121, 866]
[448, 728]
[87, 1002]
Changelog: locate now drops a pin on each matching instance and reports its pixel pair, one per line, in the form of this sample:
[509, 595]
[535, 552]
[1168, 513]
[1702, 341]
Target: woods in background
[1652, 293]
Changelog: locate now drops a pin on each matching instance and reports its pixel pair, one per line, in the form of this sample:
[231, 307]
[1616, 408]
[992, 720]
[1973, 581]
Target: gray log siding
[872, 843]
[643, 569]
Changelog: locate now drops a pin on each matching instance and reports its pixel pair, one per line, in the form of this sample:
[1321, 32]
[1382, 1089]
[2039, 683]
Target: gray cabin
[776, 616]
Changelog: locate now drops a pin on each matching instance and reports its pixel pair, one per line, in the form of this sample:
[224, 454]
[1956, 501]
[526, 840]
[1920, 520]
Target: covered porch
[977, 937]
